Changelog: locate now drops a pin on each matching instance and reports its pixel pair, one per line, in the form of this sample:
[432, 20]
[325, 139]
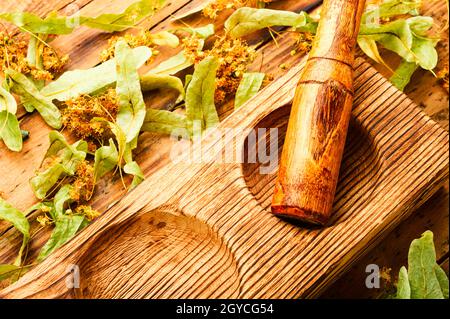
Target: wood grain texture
[154, 149]
[319, 118]
[204, 230]
[16, 170]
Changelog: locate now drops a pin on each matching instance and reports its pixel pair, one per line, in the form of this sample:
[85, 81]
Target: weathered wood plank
[153, 150]
[151, 144]
[393, 151]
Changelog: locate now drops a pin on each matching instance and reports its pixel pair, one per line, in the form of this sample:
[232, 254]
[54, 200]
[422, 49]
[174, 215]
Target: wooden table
[391, 252]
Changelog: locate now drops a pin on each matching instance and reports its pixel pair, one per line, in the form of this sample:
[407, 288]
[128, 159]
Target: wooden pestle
[317, 128]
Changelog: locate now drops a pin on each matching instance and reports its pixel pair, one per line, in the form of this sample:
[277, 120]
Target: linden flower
[234, 56]
[87, 212]
[14, 55]
[84, 184]
[79, 114]
[141, 39]
[442, 76]
[214, 7]
[44, 220]
[303, 43]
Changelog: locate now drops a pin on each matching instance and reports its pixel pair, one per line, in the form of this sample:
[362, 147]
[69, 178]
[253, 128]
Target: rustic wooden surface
[204, 230]
[84, 46]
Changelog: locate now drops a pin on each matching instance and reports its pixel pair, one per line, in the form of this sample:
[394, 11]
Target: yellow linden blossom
[84, 183]
[214, 7]
[133, 40]
[442, 76]
[303, 43]
[79, 114]
[234, 56]
[87, 212]
[44, 220]
[13, 54]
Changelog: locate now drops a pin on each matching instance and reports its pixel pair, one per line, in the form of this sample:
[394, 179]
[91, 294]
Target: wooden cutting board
[202, 229]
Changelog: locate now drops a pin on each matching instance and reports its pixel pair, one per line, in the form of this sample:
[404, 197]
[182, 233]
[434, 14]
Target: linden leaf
[248, 20]
[19, 221]
[25, 88]
[249, 86]
[74, 83]
[132, 109]
[66, 226]
[200, 107]
[165, 122]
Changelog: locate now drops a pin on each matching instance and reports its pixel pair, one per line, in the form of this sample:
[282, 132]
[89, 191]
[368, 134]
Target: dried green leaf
[249, 86]
[403, 288]
[66, 159]
[203, 32]
[110, 22]
[10, 131]
[165, 38]
[442, 278]
[390, 9]
[106, 159]
[135, 13]
[134, 169]
[7, 101]
[248, 20]
[19, 221]
[131, 114]
[369, 46]
[7, 271]
[421, 269]
[52, 24]
[180, 61]
[403, 74]
[165, 122]
[200, 108]
[73, 83]
[66, 226]
[151, 81]
[25, 88]
[62, 197]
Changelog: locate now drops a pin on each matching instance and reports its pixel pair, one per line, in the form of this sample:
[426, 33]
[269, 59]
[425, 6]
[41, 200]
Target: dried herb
[74, 83]
[200, 108]
[25, 88]
[442, 76]
[133, 168]
[211, 8]
[132, 111]
[7, 271]
[191, 46]
[408, 37]
[56, 24]
[424, 278]
[248, 20]
[79, 115]
[165, 122]
[249, 86]
[9, 125]
[19, 221]
[151, 81]
[106, 159]
[145, 38]
[60, 160]
[403, 73]
[234, 56]
[66, 226]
